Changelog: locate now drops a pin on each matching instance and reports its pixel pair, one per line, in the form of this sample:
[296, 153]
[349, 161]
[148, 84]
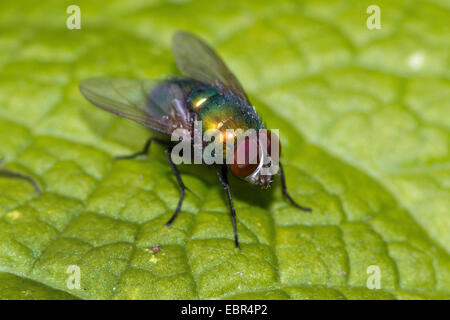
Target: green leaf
[363, 116]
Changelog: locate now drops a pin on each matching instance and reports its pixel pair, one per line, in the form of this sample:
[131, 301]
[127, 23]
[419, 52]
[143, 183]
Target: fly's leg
[18, 175]
[144, 150]
[286, 194]
[223, 178]
[180, 183]
[175, 171]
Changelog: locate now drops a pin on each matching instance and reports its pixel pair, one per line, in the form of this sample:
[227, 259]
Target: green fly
[208, 92]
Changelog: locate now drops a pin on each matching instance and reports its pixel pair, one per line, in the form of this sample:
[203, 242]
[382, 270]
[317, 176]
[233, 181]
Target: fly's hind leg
[144, 150]
[180, 183]
[17, 175]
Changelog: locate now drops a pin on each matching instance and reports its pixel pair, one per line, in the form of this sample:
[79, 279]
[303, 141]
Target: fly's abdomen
[160, 100]
[169, 103]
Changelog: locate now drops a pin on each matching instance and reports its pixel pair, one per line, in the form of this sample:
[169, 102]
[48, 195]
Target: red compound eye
[246, 158]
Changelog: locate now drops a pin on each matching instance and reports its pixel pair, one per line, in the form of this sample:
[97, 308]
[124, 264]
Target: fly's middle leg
[175, 171]
[180, 183]
[144, 150]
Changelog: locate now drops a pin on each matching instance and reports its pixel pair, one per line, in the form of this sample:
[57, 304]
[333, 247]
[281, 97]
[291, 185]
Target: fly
[208, 92]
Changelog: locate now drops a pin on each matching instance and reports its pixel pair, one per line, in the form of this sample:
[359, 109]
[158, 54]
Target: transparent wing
[154, 104]
[199, 61]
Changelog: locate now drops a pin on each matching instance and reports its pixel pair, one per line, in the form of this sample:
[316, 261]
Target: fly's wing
[199, 61]
[156, 105]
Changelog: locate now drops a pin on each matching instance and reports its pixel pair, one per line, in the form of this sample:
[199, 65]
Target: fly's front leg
[144, 150]
[180, 183]
[223, 178]
[286, 194]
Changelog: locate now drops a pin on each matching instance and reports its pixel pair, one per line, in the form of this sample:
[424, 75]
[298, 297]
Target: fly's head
[256, 160]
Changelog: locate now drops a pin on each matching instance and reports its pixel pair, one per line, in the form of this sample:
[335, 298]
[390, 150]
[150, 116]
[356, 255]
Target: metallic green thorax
[223, 111]
[216, 109]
